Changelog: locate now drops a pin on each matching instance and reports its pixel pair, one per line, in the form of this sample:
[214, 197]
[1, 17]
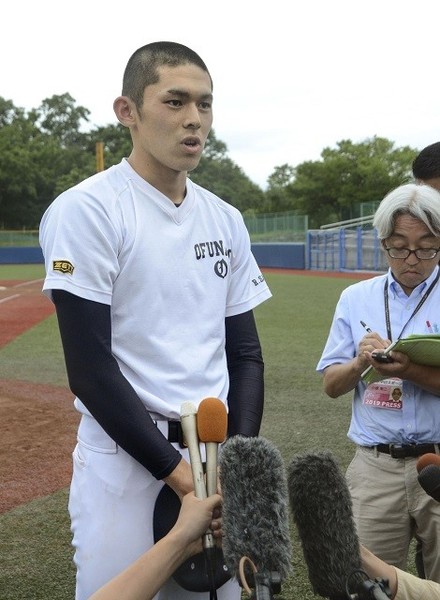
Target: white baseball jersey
[170, 274]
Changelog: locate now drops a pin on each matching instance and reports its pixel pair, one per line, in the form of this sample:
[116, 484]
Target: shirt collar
[396, 290]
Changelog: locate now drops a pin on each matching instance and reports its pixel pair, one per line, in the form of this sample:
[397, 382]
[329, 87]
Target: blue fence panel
[282, 255]
[355, 249]
[16, 256]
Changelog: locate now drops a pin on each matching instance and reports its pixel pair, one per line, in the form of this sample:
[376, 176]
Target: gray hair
[419, 201]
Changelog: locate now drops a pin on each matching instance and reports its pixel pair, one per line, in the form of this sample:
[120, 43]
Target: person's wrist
[181, 537]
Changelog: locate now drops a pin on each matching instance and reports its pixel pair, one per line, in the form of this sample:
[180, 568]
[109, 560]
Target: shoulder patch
[64, 266]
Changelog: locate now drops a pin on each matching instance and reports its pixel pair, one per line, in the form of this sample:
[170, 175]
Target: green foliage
[60, 118]
[37, 149]
[223, 177]
[278, 197]
[333, 189]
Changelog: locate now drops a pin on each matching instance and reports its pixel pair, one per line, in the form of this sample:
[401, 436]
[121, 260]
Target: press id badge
[387, 393]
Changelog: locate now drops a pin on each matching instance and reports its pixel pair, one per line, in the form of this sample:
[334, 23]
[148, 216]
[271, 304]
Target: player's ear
[125, 110]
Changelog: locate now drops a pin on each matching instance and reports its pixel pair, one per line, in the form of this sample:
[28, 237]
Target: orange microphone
[427, 459]
[212, 426]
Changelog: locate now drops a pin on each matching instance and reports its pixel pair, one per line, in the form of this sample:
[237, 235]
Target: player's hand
[181, 479]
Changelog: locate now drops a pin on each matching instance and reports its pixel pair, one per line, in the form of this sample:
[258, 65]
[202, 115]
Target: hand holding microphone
[213, 555]
[188, 418]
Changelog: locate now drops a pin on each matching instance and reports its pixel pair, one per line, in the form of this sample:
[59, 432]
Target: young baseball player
[154, 284]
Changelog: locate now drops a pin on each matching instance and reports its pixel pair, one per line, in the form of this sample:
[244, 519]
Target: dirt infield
[22, 305]
[38, 432]
[38, 421]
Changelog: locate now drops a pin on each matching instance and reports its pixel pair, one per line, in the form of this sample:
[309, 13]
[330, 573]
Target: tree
[24, 152]
[218, 173]
[278, 198]
[59, 117]
[37, 150]
[333, 188]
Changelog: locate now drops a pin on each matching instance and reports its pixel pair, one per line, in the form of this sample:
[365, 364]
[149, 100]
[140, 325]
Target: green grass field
[35, 560]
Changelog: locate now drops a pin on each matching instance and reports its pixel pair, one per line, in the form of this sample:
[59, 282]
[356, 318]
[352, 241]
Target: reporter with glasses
[389, 505]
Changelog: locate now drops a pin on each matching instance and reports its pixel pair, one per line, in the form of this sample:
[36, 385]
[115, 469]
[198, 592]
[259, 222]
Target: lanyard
[416, 310]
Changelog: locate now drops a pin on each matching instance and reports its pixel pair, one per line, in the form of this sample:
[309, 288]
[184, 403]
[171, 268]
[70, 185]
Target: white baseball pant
[111, 506]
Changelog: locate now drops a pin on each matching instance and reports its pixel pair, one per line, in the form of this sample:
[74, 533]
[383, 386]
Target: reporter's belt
[407, 450]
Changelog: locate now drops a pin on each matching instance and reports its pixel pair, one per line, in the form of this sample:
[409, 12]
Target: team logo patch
[64, 266]
[221, 268]
[215, 249]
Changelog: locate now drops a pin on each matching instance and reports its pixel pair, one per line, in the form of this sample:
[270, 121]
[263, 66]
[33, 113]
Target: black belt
[407, 450]
[175, 433]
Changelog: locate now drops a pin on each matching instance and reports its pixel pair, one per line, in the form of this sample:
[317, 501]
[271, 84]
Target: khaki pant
[390, 507]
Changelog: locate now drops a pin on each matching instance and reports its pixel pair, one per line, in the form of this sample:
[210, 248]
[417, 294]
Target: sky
[290, 78]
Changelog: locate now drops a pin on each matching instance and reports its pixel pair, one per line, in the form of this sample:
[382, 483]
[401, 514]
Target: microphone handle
[379, 594]
[371, 590]
[211, 467]
[263, 588]
[189, 428]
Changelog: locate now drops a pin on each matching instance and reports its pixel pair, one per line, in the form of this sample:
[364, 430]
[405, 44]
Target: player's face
[411, 233]
[175, 119]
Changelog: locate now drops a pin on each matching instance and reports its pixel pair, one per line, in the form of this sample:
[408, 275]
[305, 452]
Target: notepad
[422, 349]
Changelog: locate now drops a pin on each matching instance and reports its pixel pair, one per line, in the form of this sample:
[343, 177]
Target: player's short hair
[142, 66]
[426, 164]
[419, 201]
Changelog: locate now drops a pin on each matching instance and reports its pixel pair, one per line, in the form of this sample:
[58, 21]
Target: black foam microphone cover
[429, 479]
[322, 511]
[255, 513]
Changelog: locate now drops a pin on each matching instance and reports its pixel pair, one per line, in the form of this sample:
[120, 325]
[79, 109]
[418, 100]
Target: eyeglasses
[420, 253]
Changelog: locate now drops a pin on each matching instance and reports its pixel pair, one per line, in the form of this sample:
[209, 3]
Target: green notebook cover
[422, 349]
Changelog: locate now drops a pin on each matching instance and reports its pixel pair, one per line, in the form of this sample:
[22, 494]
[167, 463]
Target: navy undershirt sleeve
[96, 379]
[246, 374]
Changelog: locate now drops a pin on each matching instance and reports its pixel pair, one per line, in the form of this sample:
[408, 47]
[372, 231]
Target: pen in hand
[365, 326]
[379, 356]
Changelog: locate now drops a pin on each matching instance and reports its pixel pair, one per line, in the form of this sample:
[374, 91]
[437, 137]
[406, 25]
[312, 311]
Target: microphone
[255, 513]
[212, 426]
[427, 459]
[188, 419]
[428, 468]
[321, 506]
